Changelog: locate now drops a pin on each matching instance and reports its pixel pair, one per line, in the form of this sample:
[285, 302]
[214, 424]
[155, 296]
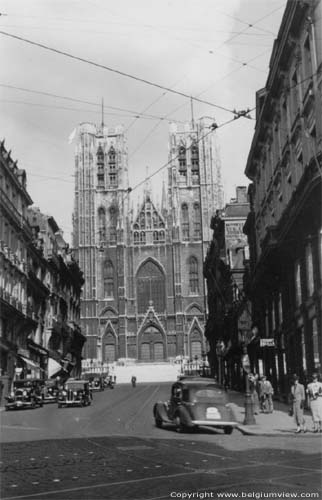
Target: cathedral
[144, 296]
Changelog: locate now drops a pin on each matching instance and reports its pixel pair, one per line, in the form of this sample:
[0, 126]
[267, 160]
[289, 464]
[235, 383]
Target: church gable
[149, 225]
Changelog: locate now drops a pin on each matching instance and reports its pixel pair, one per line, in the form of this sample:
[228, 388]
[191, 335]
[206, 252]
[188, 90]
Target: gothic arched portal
[152, 345]
[109, 348]
[195, 344]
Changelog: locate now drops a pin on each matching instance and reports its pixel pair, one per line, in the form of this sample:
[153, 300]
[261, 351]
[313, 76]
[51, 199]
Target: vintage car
[109, 382]
[74, 393]
[50, 391]
[26, 393]
[97, 383]
[196, 402]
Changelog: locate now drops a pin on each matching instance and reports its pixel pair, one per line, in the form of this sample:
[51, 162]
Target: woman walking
[298, 400]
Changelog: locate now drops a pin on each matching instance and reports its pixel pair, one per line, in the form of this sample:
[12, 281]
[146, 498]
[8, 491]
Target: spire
[192, 117]
[163, 199]
[102, 125]
[147, 185]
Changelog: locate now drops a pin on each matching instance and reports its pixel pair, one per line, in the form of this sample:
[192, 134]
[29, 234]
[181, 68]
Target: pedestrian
[266, 392]
[298, 400]
[314, 392]
[133, 381]
[253, 387]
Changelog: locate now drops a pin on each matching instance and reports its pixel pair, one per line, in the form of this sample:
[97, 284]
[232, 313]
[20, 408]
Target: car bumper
[215, 423]
[70, 403]
[17, 406]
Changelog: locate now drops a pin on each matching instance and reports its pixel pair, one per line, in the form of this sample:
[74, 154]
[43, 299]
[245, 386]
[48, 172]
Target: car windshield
[75, 386]
[205, 394]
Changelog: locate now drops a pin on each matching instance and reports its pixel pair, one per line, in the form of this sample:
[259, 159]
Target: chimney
[241, 194]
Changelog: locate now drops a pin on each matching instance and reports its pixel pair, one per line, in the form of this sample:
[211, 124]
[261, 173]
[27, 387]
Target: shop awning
[53, 367]
[29, 362]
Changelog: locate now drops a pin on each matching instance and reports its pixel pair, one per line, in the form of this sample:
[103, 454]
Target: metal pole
[249, 405]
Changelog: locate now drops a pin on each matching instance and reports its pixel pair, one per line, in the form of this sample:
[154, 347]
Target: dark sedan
[196, 402]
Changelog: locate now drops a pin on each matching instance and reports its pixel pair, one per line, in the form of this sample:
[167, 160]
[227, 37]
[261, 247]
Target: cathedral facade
[144, 295]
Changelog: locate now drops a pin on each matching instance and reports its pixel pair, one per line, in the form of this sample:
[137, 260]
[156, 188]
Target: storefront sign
[267, 343]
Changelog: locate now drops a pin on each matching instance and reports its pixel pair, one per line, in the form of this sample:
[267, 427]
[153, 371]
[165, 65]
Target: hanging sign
[267, 343]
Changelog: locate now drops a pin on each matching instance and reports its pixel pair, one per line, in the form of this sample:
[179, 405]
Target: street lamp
[220, 347]
[249, 404]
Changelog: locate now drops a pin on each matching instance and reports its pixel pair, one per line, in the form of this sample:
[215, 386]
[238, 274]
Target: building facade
[28, 283]
[144, 295]
[284, 226]
[225, 267]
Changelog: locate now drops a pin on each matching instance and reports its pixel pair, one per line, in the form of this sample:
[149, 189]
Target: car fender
[184, 415]
[160, 410]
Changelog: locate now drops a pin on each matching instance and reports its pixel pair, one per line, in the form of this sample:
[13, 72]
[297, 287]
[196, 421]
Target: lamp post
[249, 404]
[220, 346]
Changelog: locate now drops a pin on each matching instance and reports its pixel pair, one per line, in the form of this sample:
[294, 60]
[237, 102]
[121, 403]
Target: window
[298, 291]
[309, 270]
[182, 161]
[193, 276]
[196, 222]
[150, 288]
[101, 225]
[113, 223]
[108, 275]
[185, 221]
[100, 166]
[136, 238]
[315, 339]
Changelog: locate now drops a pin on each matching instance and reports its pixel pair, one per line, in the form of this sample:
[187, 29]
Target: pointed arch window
[185, 221]
[101, 225]
[112, 166]
[195, 164]
[182, 161]
[142, 237]
[196, 222]
[136, 238]
[193, 275]
[150, 288]
[100, 166]
[108, 276]
[113, 223]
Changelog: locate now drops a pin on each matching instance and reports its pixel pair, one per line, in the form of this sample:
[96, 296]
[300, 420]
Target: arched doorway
[109, 348]
[195, 344]
[152, 345]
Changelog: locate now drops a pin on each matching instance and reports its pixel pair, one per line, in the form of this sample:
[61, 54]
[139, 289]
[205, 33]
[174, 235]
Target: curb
[257, 432]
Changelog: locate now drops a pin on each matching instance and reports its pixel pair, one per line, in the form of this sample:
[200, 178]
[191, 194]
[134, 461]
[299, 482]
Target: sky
[217, 51]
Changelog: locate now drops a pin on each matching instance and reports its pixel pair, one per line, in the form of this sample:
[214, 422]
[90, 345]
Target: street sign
[246, 363]
[267, 343]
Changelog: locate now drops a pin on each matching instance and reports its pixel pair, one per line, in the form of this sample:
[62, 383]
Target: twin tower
[144, 296]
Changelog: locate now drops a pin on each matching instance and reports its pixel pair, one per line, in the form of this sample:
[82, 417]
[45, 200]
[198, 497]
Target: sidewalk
[267, 424]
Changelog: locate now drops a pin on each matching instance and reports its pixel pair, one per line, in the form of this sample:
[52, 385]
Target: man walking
[298, 399]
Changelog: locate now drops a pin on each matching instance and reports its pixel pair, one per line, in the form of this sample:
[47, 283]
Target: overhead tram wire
[212, 128]
[72, 99]
[185, 104]
[113, 70]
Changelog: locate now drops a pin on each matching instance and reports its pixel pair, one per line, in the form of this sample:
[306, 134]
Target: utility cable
[72, 99]
[112, 70]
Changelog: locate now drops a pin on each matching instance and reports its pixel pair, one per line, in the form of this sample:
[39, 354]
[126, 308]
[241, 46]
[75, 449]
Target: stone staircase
[146, 372]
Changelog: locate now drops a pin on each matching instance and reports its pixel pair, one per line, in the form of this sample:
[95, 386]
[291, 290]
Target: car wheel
[179, 425]
[228, 430]
[158, 422]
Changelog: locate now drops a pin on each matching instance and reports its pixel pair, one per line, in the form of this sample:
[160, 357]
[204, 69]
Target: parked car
[75, 393]
[109, 382]
[26, 393]
[50, 391]
[195, 402]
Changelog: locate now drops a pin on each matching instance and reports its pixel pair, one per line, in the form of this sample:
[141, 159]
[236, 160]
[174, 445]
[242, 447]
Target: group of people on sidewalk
[262, 393]
[314, 395]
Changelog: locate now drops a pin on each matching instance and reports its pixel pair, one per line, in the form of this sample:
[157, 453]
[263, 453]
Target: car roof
[191, 380]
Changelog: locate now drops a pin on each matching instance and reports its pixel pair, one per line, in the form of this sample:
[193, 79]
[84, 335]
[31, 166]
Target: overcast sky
[216, 50]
